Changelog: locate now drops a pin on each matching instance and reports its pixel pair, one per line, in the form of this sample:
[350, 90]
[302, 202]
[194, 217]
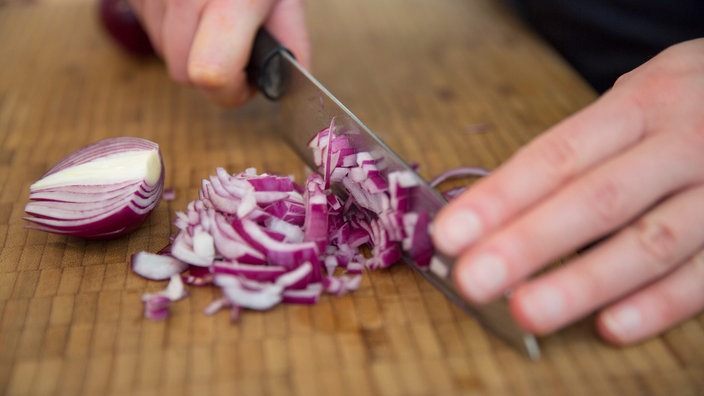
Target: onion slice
[104, 190]
[156, 266]
[156, 305]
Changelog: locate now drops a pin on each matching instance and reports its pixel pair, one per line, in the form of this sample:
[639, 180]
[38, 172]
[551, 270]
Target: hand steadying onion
[102, 191]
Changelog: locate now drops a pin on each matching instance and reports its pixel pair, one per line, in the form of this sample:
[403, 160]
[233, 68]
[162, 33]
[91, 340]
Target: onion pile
[264, 239]
[104, 190]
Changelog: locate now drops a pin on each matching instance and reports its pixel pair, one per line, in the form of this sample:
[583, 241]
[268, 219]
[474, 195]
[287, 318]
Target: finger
[221, 49]
[639, 254]
[152, 14]
[661, 95]
[594, 205]
[287, 22]
[664, 304]
[137, 7]
[178, 29]
[593, 135]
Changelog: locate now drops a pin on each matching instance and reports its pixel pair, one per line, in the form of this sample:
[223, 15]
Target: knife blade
[305, 106]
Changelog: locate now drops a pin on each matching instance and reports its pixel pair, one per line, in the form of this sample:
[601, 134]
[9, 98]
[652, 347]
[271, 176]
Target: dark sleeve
[603, 39]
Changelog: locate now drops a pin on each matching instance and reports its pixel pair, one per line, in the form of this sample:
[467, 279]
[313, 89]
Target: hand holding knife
[306, 107]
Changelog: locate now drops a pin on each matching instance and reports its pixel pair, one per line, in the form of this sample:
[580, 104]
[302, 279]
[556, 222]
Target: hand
[207, 43]
[628, 172]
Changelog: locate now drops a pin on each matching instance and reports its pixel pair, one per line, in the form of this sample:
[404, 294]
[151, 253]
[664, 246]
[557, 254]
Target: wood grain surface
[447, 83]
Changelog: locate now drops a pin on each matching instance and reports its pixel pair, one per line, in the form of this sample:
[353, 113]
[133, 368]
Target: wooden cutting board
[447, 83]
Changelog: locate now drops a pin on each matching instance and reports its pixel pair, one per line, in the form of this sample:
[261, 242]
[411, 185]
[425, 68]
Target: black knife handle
[265, 69]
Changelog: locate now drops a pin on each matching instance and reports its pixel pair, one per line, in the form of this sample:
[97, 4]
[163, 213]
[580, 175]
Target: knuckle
[623, 79]
[659, 242]
[606, 199]
[670, 78]
[559, 158]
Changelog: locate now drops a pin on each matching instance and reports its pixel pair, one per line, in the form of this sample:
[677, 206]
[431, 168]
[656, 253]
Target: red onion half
[104, 190]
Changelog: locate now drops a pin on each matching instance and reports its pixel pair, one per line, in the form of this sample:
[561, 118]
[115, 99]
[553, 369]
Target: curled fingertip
[482, 278]
[208, 75]
[620, 325]
[520, 315]
[539, 309]
[231, 98]
[222, 87]
[455, 231]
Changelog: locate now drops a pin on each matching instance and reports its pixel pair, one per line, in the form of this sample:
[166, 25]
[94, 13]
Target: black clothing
[603, 39]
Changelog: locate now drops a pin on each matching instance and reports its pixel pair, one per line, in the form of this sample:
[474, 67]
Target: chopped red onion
[307, 296]
[265, 240]
[342, 284]
[169, 194]
[156, 305]
[104, 190]
[245, 293]
[217, 305]
[157, 266]
[466, 171]
[460, 172]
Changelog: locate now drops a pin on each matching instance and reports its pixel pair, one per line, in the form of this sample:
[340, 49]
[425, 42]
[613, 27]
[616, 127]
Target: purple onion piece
[104, 190]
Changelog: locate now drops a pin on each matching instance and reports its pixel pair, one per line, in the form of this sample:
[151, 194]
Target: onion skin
[124, 27]
[76, 197]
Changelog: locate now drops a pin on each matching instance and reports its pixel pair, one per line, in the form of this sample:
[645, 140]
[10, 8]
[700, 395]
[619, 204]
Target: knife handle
[265, 69]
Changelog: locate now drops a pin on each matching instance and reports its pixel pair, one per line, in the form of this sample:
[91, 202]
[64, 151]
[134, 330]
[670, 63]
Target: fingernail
[456, 232]
[484, 277]
[545, 306]
[623, 322]
[209, 75]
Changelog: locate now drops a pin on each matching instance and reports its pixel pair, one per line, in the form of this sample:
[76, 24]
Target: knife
[305, 107]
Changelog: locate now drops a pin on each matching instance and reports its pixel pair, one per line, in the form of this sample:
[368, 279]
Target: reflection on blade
[308, 107]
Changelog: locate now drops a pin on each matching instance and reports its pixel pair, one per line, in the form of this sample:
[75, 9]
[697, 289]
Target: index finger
[287, 22]
[611, 124]
[221, 48]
